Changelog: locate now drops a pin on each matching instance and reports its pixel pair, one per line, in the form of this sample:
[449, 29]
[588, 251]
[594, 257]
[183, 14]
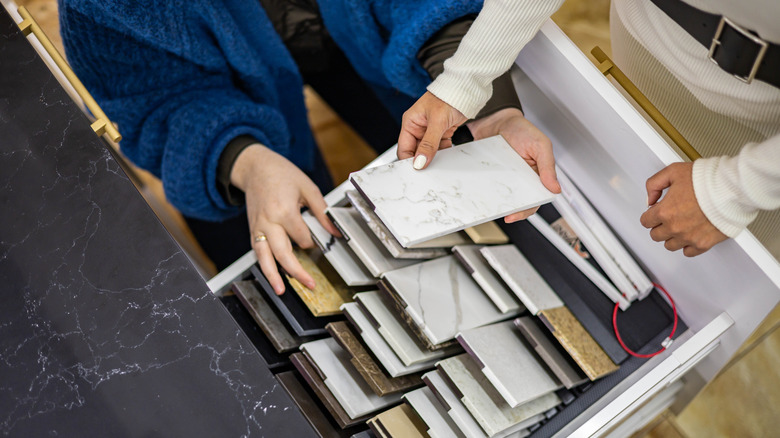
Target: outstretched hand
[427, 127]
[275, 191]
[677, 219]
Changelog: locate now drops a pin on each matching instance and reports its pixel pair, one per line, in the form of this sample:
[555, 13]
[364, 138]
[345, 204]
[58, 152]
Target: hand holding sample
[275, 192]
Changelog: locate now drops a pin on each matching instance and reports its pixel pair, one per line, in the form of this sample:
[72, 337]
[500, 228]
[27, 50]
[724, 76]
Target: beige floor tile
[665, 429]
[771, 322]
[743, 401]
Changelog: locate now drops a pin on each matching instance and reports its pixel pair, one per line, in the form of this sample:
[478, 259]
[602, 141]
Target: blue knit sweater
[183, 78]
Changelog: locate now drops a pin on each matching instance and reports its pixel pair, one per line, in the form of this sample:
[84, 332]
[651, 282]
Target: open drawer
[609, 150]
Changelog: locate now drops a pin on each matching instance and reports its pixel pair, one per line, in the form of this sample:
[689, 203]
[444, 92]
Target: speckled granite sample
[512, 369]
[273, 328]
[560, 363]
[464, 186]
[578, 342]
[487, 234]
[432, 412]
[398, 422]
[377, 380]
[330, 291]
[385, 237]
[482, 400]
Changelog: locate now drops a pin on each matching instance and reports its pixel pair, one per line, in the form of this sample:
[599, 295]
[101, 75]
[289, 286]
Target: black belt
[733, 48]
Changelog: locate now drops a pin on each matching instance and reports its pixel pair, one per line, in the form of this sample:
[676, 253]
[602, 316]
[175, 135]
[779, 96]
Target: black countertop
[105, 327]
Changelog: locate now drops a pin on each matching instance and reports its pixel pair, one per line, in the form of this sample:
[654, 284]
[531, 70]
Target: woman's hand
[276, 190]
[527, 140]
[427, 127]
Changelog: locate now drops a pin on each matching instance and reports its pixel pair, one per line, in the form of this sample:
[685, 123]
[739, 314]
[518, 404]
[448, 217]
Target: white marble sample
[442, 298]
[455, 409]
[343, 380]
[343, 260]
[373, 340]
[363, 242]
[395, 334]
[487, 278]
[492, 413]
[385, 237]
[507, 363]
[463, 186]
[518, 273]
[432, 413]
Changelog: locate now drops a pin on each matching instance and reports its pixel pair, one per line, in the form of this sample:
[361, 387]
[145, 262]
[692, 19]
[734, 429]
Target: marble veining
[455, 409]
[336, 251]
[351, 391]
[385, 237]
[363, 242]
[395, 334]
[391, 363]
[442, 298]
[507, 363]
[486, 278]
[463, 186]
[521, 277]
[105, 325]
[431, 411]
[492, 413]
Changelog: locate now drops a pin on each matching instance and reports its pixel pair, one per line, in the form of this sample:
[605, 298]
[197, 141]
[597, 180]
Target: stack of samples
[425, 319]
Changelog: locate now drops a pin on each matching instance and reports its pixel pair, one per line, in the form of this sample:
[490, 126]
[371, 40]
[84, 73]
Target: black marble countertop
[105, 327]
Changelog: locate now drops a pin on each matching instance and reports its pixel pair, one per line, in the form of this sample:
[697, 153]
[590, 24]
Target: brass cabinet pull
[102, 124]
[607, 67]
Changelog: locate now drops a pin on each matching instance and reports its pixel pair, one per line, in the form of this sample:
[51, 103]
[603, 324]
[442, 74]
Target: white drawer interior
[610, 150]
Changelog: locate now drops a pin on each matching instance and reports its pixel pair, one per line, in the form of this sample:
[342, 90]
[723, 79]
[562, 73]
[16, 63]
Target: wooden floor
[743, 401]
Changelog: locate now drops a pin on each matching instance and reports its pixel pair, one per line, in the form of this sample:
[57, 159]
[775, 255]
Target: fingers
[407, 143]
[657, 183]
[660, 233]
[316, 203]
[267, 263]
[520, 215]
[650, 218]
[283, 252]
[674, 244]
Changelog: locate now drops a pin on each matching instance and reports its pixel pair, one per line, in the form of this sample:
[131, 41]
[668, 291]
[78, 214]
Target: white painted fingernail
[419, 162]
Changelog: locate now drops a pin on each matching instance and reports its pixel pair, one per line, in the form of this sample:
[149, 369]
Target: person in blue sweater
[209, 97]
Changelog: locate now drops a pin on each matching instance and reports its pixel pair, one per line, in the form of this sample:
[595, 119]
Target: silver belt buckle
[761, 43]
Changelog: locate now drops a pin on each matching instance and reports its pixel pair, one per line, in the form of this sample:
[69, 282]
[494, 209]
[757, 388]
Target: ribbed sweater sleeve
[731, 190]
[501, 30]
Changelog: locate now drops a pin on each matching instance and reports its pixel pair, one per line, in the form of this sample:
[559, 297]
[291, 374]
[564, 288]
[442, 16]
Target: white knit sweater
[716, 112]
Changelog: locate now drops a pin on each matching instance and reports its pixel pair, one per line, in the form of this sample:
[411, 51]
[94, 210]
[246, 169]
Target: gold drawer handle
[102, 125]
[609, 68]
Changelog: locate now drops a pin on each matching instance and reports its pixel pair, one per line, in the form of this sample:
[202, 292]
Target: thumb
[657, 183]
[428, 145]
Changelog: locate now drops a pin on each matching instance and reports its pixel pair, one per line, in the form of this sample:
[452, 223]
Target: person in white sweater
[735, 125]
